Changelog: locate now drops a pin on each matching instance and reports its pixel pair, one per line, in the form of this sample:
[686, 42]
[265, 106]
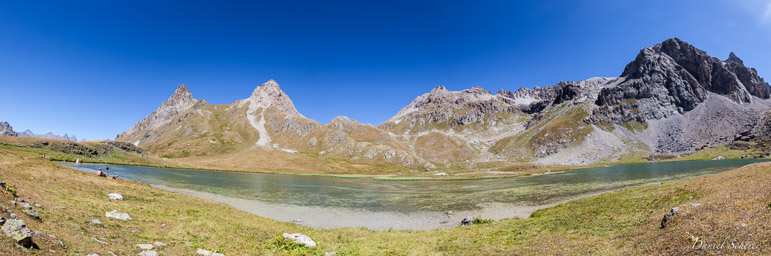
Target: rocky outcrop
[17, 230]
[180, 101]
[6, 129]
[671, 78]
[748, 77]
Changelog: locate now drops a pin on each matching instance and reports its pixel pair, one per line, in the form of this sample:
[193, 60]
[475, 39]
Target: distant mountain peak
[270, 94]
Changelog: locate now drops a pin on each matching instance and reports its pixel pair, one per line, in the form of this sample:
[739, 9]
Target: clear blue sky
[95, 68]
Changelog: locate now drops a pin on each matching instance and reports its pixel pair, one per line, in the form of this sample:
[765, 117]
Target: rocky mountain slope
[672, 98]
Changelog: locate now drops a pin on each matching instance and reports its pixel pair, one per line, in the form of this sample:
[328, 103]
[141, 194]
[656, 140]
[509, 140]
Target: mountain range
[671, 99]
[7, 130]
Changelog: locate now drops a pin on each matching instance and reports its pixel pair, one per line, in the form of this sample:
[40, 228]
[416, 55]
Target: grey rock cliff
[671, 78]
[6, 129]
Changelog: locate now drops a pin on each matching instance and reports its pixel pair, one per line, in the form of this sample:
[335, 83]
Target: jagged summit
[6, 129]
[178, 102]
[732, 58]
[270, 94]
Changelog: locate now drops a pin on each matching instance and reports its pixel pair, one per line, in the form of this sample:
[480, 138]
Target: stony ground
[735, 205]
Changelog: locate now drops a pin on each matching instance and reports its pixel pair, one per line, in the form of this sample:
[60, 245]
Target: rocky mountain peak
[438, 89]
[6, 129]
[673, 77]
[178, 102]
[270, 94]
[341, 122]
[732, 58]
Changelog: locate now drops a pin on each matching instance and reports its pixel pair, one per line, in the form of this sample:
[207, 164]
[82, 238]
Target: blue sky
[95, 68]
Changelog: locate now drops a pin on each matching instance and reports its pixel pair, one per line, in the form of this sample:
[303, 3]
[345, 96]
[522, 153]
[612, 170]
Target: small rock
[38, 205]
[13, 203]
[203, 252]
[330, 253]
[117, 215]
[115, 196]
[2, 221]
[665, 220]
[300, 239]
[95, 222]
[449, 213]
[25, 205]
[32, 213]
[743, 225]
[466, 221]
[674, 210]
[98, 241]
[297, 221]
[695, 205]
[718, 158]
[18, 231]
[145, 246]
[440, 174]
[13, 216]
[148, 253]
[93, 254]
[160, 244]
[19, 199]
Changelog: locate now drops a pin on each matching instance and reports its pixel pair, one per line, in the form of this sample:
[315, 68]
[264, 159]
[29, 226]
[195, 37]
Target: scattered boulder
[2, 221]
[117, 215]
[300, 239]
[160, 244]
[207, 253]
[25, 205]
[115, 196]
[18, 231]
[449, 213]
[440, 174]
[330, 253]
[32, 213]
[466, 221]
[145, 246]
[38, 205]
[665, 220]
[95, 222]
[672, 212]
[148, 253]
[93, 254]
[13, 216]
[718, 158]
[695, 205]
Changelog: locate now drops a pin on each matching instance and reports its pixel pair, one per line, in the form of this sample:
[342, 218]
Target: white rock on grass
[115, 196]
[148, 253]
[145, 246]
[300, 239]
[207, 253]
[117, 215]
[160, 244]
[441, 174]
[93, 254]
